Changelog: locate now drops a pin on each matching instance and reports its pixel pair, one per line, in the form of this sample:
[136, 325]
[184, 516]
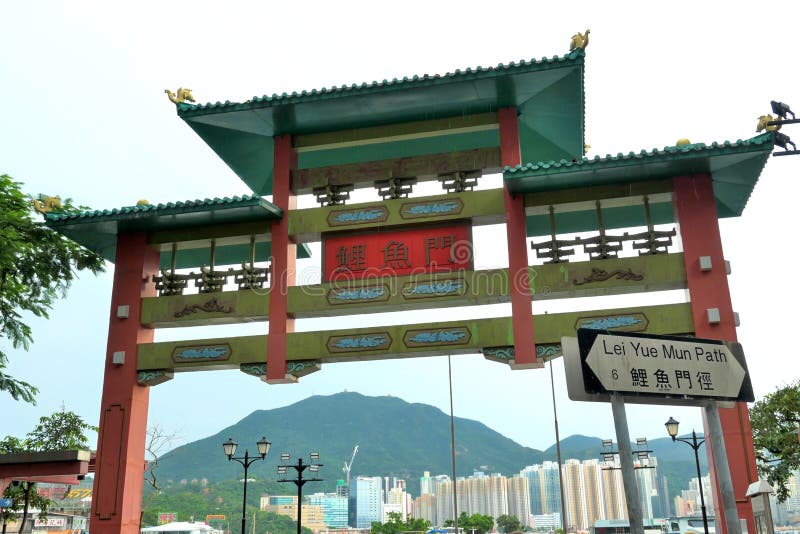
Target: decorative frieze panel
[201, 353]
[294, 368]
[491, 336]
[437, 337]
[358, 343]
[154, 377]
[431, 208]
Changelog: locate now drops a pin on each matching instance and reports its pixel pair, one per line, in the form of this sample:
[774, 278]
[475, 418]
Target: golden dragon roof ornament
[47, 204]
[183, 95]
[579, 40]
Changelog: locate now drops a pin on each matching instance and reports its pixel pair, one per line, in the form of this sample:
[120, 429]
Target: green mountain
[394, 438]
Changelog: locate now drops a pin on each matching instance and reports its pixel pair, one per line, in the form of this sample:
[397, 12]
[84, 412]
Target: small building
[182, 527]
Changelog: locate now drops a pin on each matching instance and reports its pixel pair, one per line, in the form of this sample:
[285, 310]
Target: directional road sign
[663, 366]
[6, 503]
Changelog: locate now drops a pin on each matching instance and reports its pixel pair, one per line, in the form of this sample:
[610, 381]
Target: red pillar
[696, 213]
[284, 254]
[519, 276]
[117, 502]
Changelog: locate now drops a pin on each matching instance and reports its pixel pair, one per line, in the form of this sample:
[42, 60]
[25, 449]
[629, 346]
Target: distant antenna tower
[347, 466]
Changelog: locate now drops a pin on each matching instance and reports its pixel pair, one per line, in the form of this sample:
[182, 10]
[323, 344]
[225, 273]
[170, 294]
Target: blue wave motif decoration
[436, 288]
[204, 352]
[358, 216]
[364, 342]
[360, 294]
[433, 208]
[606, 323]
[441, 336]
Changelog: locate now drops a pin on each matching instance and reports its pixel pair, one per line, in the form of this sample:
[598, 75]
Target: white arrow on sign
[665, 367]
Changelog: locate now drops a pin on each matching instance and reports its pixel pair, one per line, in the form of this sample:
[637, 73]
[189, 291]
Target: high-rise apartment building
[426, 484]
[532, 475]
[425, 508]
[519, 499]
[444, 501]
[647, 483]
[396, 502]
[573, 491]
[592, 492]
[614, 503]
[550, 484]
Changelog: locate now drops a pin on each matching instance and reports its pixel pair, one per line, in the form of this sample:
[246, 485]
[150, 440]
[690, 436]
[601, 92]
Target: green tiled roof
[97, 230]
[186, 110]
[547, 93]
[147, 212]
[734, 167]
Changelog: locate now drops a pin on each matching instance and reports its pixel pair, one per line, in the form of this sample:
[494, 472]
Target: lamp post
[299, 467]
[672, 430]
[230, 449]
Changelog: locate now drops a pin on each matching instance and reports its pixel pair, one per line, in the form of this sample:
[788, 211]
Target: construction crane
[347, 466]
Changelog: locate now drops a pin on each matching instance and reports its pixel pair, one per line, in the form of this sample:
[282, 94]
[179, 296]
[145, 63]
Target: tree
[60, 431]
[508, 523]
[775, 420]
[37, 266]
[480, 523]
[395, 525]
[157, 440]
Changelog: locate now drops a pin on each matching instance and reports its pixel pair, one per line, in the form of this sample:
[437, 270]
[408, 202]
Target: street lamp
[299, 467]
[230, 449]
[672, 430]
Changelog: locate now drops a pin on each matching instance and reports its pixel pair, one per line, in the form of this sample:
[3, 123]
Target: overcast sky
[83, 114]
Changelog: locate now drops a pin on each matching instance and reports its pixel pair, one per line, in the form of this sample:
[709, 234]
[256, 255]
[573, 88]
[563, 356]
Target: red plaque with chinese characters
[356, 256]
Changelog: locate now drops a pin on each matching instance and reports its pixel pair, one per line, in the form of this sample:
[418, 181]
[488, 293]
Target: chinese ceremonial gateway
[231, 260]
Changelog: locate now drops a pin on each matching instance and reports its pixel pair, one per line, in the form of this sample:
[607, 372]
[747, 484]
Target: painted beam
[403, 341]
[416, 292]
[393, 132]
[227, 307]
[472, 288]
[589, 195]
[242, 231]
[423, 167]
[482, 207]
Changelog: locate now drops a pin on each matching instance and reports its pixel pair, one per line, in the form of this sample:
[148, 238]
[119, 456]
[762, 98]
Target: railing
[603, 245]
[210, 280]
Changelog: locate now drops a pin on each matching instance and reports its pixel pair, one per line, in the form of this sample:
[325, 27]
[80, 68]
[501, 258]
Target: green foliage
[480, 523]
[37, 266]
[396, 525]
[197, 498]
[508, 523]
[775, 420]
[60, 431]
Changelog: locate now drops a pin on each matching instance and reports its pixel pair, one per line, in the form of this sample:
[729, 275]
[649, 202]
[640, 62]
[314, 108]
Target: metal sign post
[723, 470]
[626, 463]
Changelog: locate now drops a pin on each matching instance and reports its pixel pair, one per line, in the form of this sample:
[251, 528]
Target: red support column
[696, 213]
[283, 269]
[117, 502]
[518, 273]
